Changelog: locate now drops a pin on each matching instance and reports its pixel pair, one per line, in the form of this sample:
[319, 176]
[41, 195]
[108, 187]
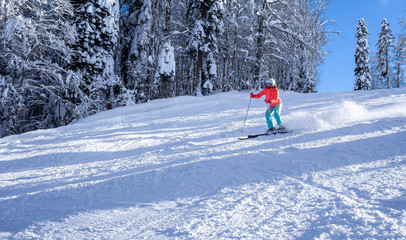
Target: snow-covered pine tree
[145, 36]
[128, 19]
[362, 68]
[205, 24]
[166, 67]
[97, 27]
[137, 52]
[215, 26]
[165, 74]
[384, 44]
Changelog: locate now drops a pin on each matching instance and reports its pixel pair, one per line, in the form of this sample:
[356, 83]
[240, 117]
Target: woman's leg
[268, 115]
[277, 114]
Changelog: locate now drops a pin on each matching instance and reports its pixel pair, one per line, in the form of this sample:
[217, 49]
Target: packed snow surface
[175, 169]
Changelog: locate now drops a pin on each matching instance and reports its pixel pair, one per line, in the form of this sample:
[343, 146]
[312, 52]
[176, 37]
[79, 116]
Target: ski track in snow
[175, 169]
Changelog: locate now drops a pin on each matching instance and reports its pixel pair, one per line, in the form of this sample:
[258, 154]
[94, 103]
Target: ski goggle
[269, 85]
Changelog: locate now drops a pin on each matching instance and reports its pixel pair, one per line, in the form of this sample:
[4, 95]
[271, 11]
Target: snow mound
[343, 114]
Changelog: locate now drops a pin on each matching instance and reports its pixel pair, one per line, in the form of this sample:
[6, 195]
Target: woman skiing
[271, 93]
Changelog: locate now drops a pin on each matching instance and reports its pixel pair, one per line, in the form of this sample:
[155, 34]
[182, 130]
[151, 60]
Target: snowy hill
[175, 169]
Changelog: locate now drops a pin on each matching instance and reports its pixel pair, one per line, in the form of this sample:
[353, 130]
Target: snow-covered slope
[175, 169]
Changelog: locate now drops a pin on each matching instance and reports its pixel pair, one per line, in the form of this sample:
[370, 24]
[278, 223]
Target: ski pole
[242, 130]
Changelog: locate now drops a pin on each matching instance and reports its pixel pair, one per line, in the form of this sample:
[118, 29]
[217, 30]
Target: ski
[262, 134]
[282, 131]
[252, 136]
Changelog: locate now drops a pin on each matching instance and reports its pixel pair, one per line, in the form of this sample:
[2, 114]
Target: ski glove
[267, 100]
[252, 95]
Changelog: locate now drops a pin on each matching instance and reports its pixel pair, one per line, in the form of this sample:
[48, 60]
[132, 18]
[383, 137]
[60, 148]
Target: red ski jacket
[271, 96]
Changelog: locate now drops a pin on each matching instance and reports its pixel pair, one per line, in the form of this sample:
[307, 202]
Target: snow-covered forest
[62, 60]
[385, 68]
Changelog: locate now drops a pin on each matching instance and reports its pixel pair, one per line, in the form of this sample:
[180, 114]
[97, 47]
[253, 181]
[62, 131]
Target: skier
[271, 93]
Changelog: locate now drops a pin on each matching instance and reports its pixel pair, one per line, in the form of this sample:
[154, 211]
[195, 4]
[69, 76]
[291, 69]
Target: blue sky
[337, 72]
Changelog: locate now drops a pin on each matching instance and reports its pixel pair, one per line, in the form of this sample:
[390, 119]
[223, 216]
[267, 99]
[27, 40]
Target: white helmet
[271, 82]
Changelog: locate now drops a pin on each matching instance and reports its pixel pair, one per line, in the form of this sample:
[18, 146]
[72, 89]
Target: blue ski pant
[276, 111]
